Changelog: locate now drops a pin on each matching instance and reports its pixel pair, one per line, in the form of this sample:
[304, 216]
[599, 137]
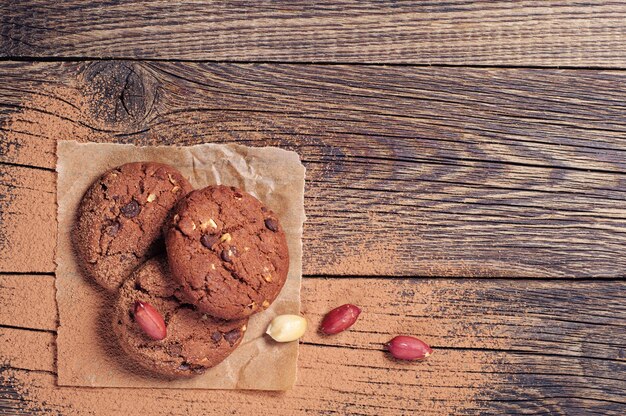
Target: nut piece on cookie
[235, 262]
[120, 218]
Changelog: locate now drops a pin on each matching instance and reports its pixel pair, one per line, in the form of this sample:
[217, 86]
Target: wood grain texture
[563, 33]
[501, 347]
[410, 171]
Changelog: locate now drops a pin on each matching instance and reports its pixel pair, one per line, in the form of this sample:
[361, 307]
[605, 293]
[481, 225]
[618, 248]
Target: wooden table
[466, 183]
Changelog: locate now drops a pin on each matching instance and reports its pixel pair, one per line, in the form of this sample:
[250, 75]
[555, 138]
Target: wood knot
[120, 95]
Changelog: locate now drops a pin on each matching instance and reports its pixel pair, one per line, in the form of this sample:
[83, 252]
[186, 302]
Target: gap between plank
[508, 351]
[410, 277]
[382, 349]
[312, 63]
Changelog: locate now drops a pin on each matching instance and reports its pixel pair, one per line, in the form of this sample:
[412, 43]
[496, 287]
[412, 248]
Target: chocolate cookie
[193, 341]
[228, 252]
[120, 218]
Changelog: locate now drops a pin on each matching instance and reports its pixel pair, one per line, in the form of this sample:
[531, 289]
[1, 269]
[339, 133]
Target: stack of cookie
[187, 267]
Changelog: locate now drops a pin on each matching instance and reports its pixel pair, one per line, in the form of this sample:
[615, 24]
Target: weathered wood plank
[18, 294]
[440, 386]
[568, 318]
[455, 172]
[27, 219]
[501, 347]
[565, 33]
[28, 350]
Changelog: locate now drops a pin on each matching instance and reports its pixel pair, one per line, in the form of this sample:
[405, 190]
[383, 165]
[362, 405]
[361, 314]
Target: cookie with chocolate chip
[120, 218]
[192, 342]
[228, 251]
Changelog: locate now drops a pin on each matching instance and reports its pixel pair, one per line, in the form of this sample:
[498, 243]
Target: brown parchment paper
[87, 354]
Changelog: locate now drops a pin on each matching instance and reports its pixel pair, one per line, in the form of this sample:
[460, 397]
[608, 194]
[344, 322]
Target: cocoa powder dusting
[57, 113]
[374, 257]
[366, 258]
[92, 104]
[395, 388]
[28, 137]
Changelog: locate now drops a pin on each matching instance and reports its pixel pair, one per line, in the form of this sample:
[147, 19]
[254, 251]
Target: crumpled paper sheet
[87, 353]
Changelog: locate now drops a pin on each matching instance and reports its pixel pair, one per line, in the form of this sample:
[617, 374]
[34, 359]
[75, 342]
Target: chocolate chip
[232, 336]
[113, 228]
[225, 255]
[271, 224]
[183, 367]
[217, 336]
[209, 240]
[131, 210]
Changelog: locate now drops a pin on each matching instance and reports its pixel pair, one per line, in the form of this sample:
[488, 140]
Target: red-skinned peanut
[340, 319]
[150, 320]
[404, 347]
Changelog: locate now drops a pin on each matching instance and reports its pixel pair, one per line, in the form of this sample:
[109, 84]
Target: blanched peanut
[287, 328]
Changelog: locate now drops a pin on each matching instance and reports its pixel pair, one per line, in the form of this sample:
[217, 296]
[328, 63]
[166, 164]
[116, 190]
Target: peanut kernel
[405, 347]
[150, 320]
[151, 197]
[205, 224]
[286, 328]
[225, 238]
[340, 319]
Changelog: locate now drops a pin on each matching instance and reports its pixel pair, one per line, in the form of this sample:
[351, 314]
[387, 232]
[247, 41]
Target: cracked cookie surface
[194, 341]
[120, 218]
[228, 252]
